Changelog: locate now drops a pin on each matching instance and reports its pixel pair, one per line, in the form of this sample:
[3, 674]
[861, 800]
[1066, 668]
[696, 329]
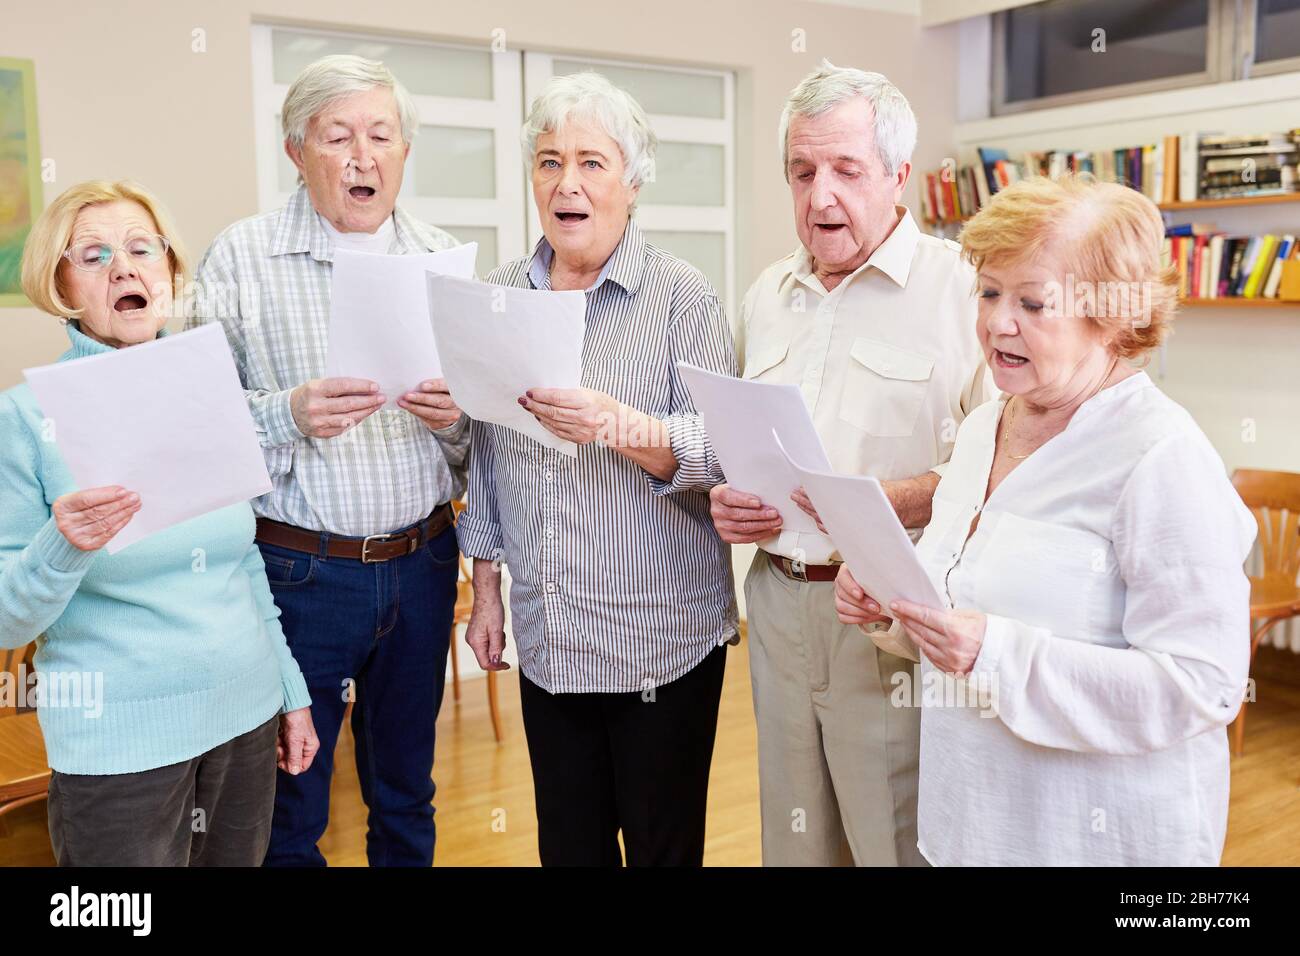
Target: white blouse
[1109, 564]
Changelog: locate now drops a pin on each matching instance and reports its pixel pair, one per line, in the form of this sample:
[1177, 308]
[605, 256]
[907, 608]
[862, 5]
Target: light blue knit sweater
[180, 627]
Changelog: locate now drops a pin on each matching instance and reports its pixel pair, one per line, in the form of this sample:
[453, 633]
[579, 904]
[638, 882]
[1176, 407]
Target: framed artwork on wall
[20, 172]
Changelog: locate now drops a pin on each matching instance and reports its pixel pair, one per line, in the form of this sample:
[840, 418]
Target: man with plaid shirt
[356, 532]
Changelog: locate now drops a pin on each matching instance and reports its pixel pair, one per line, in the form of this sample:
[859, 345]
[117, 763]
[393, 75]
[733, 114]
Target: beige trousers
[837, 761]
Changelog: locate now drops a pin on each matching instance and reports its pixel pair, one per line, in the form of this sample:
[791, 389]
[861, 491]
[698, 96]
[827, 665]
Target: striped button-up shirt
[620, 582]
[267, 280]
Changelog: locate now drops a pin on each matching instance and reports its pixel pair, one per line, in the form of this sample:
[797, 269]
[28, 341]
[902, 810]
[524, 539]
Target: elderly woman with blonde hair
[1088, 547]
[187, 694]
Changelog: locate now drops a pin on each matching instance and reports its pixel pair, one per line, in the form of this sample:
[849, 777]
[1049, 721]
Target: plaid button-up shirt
[267, 280]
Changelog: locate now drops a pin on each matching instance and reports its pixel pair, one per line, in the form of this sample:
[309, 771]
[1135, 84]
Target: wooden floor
[485, 798]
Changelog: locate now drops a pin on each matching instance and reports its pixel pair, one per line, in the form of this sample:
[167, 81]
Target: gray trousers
[837, 758]
[213, 810]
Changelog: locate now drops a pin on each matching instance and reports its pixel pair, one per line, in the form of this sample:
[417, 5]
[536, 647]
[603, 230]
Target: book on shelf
[1176, 169]
[1215, 265]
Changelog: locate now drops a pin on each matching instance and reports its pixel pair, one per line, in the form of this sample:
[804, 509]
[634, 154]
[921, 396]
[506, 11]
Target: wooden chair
[464, 604]
[24, 774]
[1274, 498]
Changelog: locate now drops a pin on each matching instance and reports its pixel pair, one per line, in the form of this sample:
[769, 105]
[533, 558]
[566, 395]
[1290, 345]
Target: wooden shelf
[1281, 198]
[1238, 302]
[1234, 201]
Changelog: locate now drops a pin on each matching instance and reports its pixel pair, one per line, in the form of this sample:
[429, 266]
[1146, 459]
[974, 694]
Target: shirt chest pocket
[636, 384]
[1052, 576]
[884, 388]
[765, 355]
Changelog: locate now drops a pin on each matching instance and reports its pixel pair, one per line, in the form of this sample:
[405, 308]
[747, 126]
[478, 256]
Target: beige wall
[120, 94]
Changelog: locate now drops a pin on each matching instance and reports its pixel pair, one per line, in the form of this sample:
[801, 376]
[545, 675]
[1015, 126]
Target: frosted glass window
[486, 237]
[707, 251]
[687, 174]
[455, 162]
[423, 69]
[660, 91]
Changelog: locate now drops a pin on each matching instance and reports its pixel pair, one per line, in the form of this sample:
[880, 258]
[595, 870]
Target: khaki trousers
[837, 761]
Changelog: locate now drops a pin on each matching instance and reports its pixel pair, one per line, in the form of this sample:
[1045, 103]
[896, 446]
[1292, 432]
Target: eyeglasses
[98, 256]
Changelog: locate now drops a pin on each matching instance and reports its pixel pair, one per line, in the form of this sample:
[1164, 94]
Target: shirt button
[550, 532]
[547, 475]
[550, 587]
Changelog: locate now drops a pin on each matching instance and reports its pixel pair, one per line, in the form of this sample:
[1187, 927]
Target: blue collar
[83, 345]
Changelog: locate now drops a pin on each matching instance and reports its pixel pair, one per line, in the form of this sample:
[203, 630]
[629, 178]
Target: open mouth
[831, 226]
[131, 302]
[571, 217]
[361, 192]
[1009, 359]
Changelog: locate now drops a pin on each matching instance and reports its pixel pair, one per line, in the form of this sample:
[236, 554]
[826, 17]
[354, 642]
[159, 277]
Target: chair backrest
[1274, 498]
[15, 671]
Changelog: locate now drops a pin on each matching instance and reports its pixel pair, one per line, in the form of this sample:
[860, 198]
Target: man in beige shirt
[875, 323]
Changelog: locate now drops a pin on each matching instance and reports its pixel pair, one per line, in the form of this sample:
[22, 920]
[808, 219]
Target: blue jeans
[378, 635]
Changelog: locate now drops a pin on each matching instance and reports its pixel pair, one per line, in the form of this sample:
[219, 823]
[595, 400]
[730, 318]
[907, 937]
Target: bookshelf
[1233, 302]
[1237, 302]
[1179, 206]
[1226, 203]
[939, 197]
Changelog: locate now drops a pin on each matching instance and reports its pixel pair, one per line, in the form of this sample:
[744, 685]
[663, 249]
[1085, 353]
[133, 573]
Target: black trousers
[635, 762]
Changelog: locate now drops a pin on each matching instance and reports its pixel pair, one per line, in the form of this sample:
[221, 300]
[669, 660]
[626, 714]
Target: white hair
[331, 77]
[590, 96]
[828, 86]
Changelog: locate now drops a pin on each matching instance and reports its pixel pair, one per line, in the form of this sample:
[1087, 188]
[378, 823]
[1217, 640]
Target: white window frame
[518, 77]
[501, 115]
[539, 68]
[1246, 48]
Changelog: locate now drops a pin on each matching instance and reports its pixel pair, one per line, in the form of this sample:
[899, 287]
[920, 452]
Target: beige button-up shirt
[888, 361]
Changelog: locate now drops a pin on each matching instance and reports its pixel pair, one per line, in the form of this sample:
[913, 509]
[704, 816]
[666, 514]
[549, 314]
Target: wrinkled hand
[297, 744]
[800, 497]
[327, 407]
[741, 518]
[579, 415]
[89, 519]
[854, 605]
[432, 404]
[486, 632]
[950, 639]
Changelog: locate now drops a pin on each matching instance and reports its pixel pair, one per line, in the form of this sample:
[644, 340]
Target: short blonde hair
[46, 243]
[1111, 237]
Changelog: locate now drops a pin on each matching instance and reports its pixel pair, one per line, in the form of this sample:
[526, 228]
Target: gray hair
[331, 77]
[590, 96]
[828, 86]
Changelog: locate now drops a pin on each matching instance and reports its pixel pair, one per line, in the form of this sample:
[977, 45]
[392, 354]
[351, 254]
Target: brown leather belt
[371, 549]
[799, 571]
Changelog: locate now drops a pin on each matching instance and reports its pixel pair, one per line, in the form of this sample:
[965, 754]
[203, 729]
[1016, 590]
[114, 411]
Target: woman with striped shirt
[622, 597]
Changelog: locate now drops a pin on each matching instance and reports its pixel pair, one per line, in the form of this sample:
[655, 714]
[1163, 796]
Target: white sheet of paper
[498, 342]
[379, 316]
[740, 417]
[867, 534]
[166, 419]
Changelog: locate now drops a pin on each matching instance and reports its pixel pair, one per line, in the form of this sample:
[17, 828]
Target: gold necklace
[1006, 435]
